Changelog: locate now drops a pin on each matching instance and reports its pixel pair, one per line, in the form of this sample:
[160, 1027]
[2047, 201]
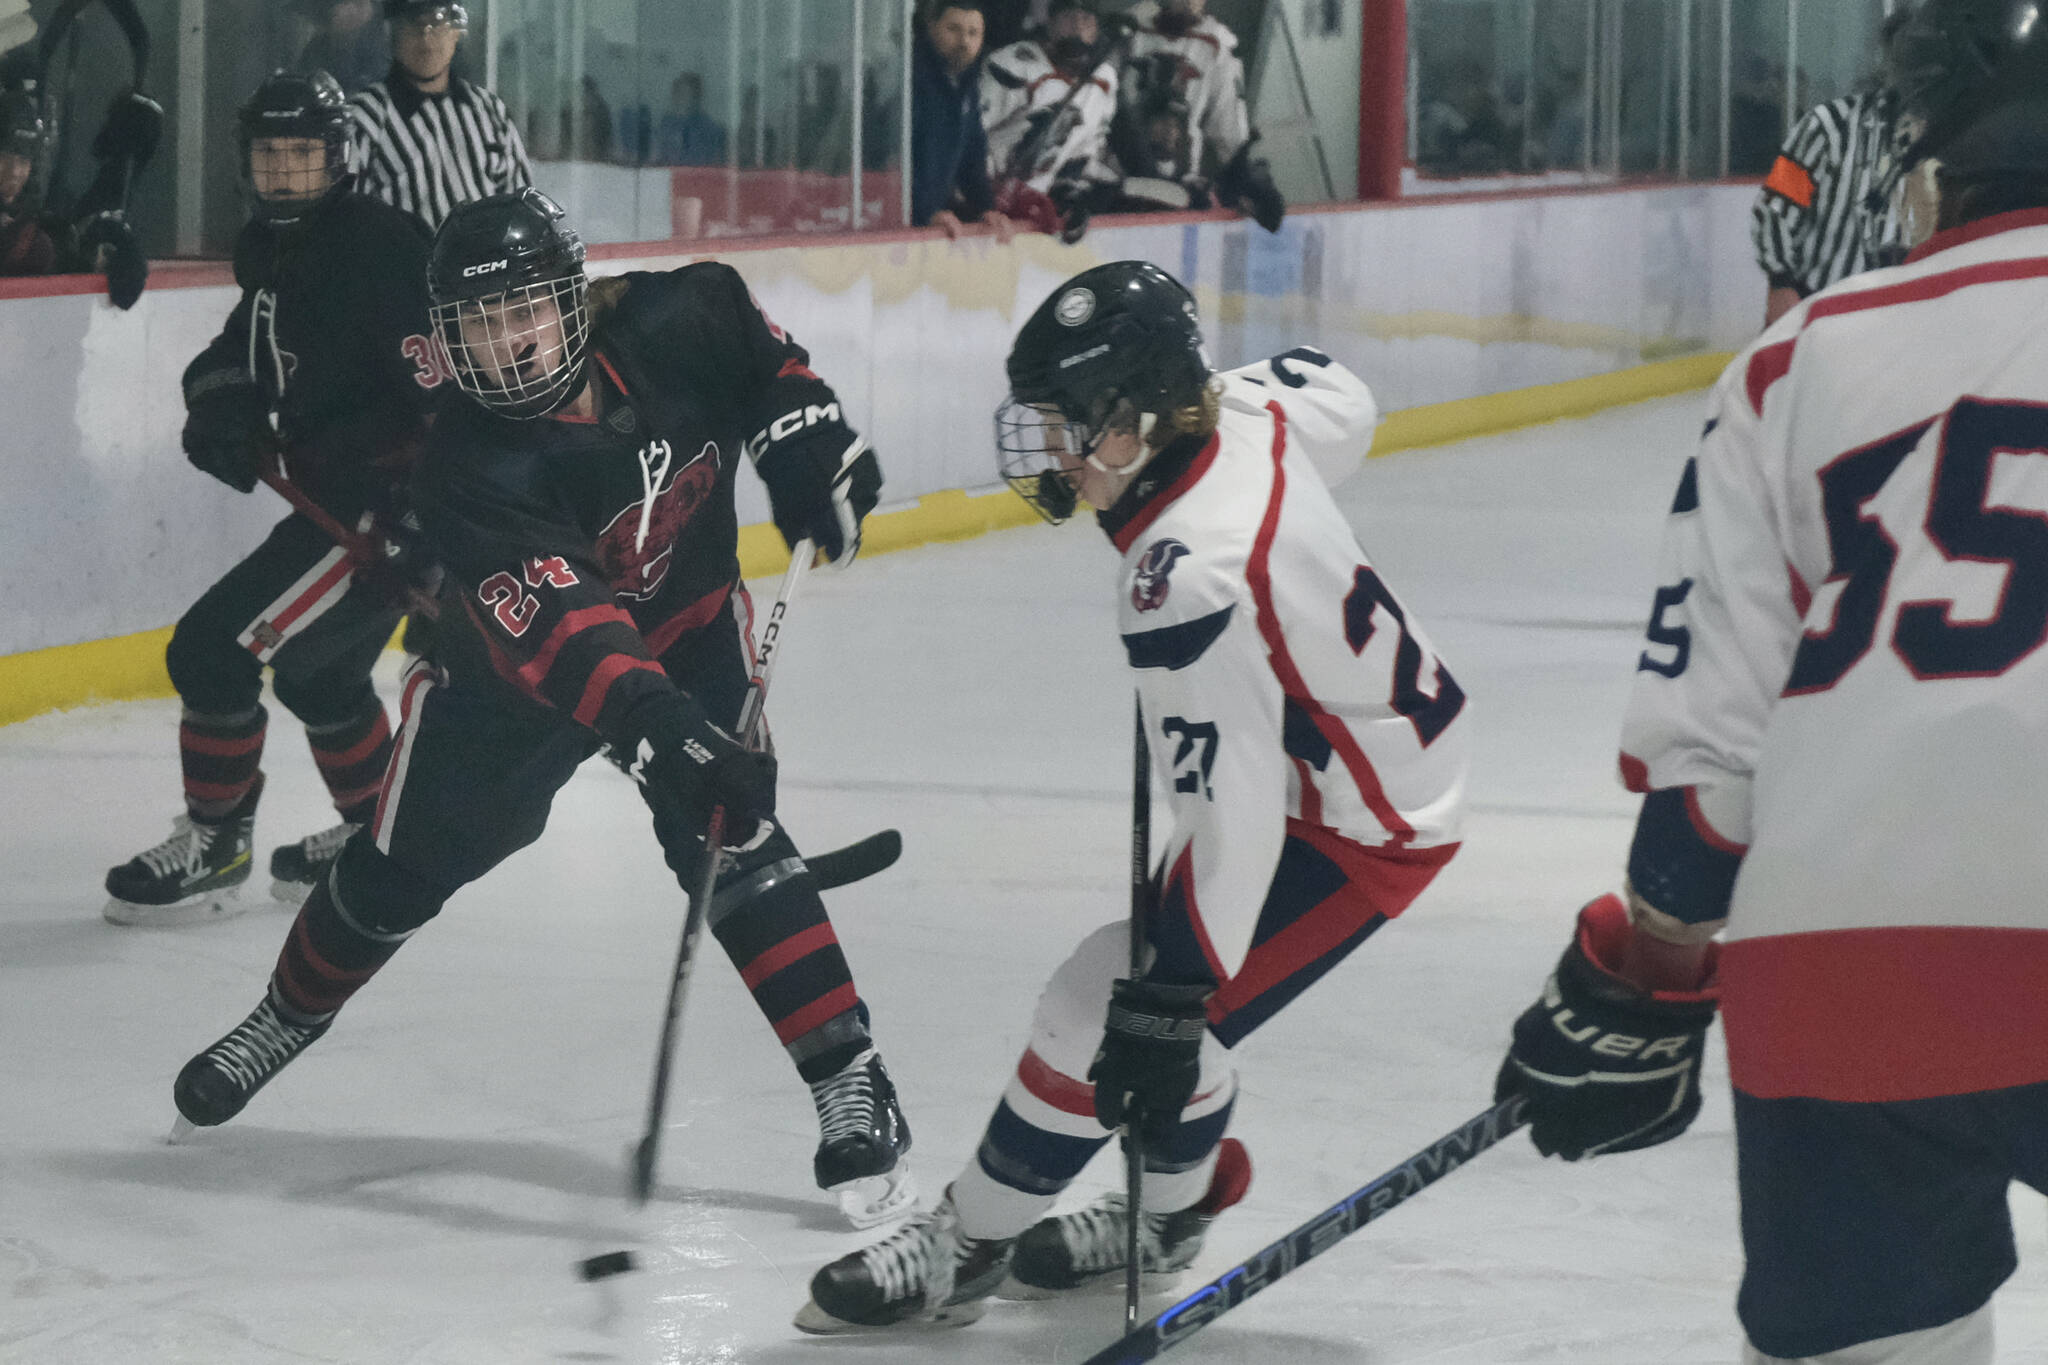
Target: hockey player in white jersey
[1308, 739]
[1840, 727]
[1047, 102]
[1182, 57]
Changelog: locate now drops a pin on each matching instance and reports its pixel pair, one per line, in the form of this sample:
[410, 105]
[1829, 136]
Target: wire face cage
[287, 174]
[1039, 453]
[519, 353]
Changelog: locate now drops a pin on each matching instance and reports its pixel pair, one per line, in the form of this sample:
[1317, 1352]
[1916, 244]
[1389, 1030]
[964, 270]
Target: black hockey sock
[327, 957]
[772, 924]
[353, 755]
[222, 760]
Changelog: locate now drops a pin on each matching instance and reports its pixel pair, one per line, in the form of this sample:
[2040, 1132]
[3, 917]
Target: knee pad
[212, 674]
[379, 896]
[1066, 1027]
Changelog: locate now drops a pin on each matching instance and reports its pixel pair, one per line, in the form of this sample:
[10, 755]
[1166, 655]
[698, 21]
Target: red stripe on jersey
[1930, 287]
[793, 366]
[216, 746]
[1766, 368]
[1704, 827]
[1181, 881]
[1882, 1015]
[1055, 1088]
[1173, 492]
[500, 660]
[696, 616]
[1259, 575]
[824, 1009]
[535, 670]
[1311, 798]
[304, 602]
[1635, 774]
[789, 950]
[614, 667]
[605, 361]
[1977, 231]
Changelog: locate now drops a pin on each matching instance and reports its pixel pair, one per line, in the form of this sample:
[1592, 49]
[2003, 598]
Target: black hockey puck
[607, 1265]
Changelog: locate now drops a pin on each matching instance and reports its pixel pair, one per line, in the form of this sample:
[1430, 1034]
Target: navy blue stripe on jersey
[1175, 647]
[1677, 863]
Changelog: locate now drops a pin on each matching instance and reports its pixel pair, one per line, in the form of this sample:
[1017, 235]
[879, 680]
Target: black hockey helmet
[288, 105]
[1115, 346]
[427, 12]
[22, 130]
[1973, 76]
[510, 302]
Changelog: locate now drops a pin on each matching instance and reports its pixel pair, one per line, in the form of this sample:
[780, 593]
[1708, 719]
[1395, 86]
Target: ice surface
[419, 1187]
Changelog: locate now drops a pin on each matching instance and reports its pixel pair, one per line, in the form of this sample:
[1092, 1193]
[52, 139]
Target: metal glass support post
[1792, 110]
[1685, 89]
[908, 46]
[858, 86]
[489, 11]
[1727, 91]
[1591, 79]
[191, 126]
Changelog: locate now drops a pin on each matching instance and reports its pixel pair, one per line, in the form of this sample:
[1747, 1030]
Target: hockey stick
[357, 546]
[1141, 896]
[857, 861]
[1316, 1236]
[649, 1148]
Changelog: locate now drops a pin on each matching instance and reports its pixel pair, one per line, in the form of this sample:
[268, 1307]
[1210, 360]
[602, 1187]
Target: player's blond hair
[1198, 418]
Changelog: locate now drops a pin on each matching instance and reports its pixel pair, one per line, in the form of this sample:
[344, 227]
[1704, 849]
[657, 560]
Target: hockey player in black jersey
[583, 505]
[324, 375]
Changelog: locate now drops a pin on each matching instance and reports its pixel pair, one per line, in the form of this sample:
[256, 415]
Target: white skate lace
[258, 1046]
[917, 1259]
[318, 848]
[1095, 1235]
[846, 1100]
[184, 852]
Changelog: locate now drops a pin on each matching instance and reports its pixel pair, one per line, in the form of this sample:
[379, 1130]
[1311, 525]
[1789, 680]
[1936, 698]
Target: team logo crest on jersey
[1149, 585]
[1075, 307]
[637, 569]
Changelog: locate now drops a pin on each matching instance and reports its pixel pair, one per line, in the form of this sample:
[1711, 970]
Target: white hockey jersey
[1280, 679]
[1203, 68]
[1020, 90]
[1845, 677]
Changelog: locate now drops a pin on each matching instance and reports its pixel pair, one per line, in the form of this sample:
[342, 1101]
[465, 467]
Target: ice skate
[925, 1274]
[1084, 1250]
[189, 878]
[214, 1086]
[295, 869]
[863, 1140]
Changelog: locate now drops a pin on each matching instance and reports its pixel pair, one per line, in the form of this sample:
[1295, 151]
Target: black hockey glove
[1246, 185]
[688, 765]
[822, 481]
[1150, 1060]
[109, 247]
[227, 427]
[1606, 1065]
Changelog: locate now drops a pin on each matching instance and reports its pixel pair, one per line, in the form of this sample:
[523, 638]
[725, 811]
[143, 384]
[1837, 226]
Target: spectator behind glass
[349, 42]
[688, 136]
[1756, 115]
[948, 149]
[25, 248]
[1460, 128]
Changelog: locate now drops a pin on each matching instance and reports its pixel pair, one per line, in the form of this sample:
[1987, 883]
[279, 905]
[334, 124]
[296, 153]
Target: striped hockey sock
[353, 755]
[328, 956]
[222, 760]
[773, 926]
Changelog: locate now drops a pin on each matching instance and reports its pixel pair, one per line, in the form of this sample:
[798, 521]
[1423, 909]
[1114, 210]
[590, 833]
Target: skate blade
[816, 1321]
[877, 1199]
[1109, 1284]
[204, 908]
[182, 1128]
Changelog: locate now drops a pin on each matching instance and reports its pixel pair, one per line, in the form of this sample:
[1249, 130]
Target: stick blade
[857, 861]
[641, 1181]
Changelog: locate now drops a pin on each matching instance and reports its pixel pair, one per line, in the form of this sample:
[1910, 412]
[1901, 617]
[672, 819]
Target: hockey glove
[227, 427]
[110, 248]
[1246, 185]
[688, 765]
[1150, 1060]
[822, 482]
[1606, 1065]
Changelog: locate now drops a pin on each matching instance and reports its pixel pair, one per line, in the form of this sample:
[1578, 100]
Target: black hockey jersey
[580, 551]
[332, 325]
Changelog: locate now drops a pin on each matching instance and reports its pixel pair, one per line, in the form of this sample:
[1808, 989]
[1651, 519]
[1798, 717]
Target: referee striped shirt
[428, 153]
[1826, 210]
